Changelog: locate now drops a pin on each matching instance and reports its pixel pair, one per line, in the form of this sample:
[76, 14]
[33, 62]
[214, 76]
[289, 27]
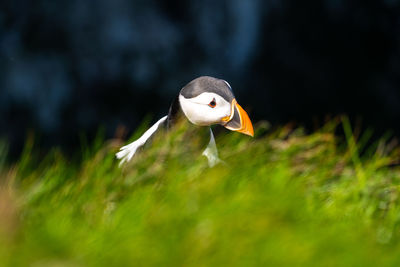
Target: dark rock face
[69, 67]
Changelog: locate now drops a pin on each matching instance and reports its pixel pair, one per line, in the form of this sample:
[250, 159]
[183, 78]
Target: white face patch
[199, 112]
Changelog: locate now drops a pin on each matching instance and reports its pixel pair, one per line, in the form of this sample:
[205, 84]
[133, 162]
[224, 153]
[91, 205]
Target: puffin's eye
[212, 104]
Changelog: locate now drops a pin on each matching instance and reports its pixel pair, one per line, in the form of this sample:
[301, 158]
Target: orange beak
[239, 121]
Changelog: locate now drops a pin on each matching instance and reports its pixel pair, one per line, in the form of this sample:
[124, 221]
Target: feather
[126, 153]
[211, 152]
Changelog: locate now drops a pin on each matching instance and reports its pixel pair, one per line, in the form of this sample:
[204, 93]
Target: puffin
[203, 102]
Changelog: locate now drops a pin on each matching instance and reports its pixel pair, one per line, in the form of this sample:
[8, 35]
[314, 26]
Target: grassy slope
[279, 199]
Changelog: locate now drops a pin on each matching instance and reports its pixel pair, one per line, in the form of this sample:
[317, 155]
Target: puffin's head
[207, 100]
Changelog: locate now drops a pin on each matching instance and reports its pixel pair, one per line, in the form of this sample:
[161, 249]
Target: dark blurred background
[71, 66]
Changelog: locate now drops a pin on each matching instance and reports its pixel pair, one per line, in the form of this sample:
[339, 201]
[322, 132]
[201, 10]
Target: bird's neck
[175, 113]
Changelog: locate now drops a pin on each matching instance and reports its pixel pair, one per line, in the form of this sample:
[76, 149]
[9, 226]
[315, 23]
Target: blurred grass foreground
[283, 198]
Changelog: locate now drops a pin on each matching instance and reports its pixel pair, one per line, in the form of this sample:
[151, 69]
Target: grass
[284, 198]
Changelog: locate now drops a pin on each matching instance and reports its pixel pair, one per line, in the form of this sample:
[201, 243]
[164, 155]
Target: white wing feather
[211, 152]
[126, 153]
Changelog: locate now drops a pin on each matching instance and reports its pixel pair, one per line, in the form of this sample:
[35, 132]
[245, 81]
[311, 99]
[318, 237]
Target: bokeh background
[68, 67]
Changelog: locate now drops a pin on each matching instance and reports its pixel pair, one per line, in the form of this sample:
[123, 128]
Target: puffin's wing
[126, 152]
[211, 152]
